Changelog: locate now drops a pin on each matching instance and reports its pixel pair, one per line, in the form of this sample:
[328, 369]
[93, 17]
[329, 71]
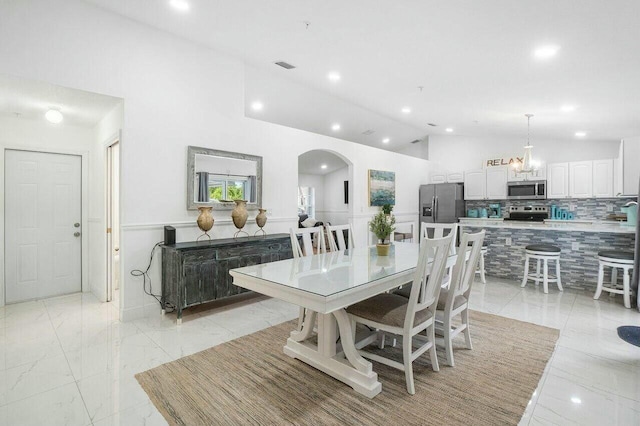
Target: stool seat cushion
[616, 254]
[548, 248]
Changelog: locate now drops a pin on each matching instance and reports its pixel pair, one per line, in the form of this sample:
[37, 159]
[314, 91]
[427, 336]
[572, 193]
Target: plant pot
[383, 249]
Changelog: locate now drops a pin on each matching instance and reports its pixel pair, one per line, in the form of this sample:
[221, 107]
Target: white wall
[459, 153]
[39, 135]
[176, 94]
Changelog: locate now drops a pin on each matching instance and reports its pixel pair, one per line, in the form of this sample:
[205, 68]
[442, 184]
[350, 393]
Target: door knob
[76, 225]
[76, 234]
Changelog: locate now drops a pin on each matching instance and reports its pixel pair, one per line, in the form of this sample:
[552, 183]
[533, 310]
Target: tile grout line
[75, 381]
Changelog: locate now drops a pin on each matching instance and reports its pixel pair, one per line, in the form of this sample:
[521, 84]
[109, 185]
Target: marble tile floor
[69, 361]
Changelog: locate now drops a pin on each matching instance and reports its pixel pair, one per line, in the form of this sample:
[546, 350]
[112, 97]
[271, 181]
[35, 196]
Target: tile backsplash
[591, 208]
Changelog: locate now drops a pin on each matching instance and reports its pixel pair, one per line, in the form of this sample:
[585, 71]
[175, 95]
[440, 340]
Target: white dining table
[325, 284]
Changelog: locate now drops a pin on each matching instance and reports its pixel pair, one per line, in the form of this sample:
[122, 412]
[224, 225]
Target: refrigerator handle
[435, 210]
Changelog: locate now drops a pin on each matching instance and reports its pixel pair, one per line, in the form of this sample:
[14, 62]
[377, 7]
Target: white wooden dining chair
[338, 242]
[307, 236]
[437, 230]
[455, 300]
[397, 315]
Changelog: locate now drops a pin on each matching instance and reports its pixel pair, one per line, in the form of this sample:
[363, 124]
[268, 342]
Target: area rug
[250, 381]
[630, 334]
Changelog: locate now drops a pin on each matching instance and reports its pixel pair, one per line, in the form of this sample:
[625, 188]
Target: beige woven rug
[250, 381]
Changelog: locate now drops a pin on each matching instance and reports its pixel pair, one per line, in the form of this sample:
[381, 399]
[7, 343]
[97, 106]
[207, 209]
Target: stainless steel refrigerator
[441, 202]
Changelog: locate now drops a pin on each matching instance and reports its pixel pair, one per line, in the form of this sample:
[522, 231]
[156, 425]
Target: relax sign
[504, 161]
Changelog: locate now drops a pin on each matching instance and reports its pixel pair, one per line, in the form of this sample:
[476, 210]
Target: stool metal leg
[558, 274]
[526, 271]
[545, 277]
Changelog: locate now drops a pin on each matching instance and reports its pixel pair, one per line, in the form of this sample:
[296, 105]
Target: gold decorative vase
[205, 221]
[239, 216]
[261, 220]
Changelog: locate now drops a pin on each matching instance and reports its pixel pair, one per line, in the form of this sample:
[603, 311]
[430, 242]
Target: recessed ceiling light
[546, 52]
[180, 5]
[448, 130]
[576, 400]
[333, 76]
[386, 140]
[324, 166]
[406, 110]
[567, 108]
[257, 106]
[54, 116]
[335, 127]
[581, 134]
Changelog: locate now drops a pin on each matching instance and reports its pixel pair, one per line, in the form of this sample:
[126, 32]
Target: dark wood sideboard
[198, 272]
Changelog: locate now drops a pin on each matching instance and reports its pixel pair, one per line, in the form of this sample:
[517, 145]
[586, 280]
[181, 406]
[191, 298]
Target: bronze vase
[205, 220]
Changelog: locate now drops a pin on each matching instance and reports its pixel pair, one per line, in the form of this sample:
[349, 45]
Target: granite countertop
[560, 225]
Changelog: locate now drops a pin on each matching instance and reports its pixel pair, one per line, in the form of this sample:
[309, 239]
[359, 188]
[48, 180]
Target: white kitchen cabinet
[456, 177]
[581, 179]
[558, 180]
[475, 183]
[496, 186]
[630, 165]
[438, 177]
[603, 178]
[540, 174]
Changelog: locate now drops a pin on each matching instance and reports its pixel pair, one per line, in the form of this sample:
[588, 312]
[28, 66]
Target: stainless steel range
[528, 213]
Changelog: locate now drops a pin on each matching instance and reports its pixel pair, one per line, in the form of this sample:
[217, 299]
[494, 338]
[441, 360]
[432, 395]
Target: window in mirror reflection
[307, 201]
[225, 187]
[228, 189]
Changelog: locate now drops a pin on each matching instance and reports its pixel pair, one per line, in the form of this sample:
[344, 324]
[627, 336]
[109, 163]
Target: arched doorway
[325, 190]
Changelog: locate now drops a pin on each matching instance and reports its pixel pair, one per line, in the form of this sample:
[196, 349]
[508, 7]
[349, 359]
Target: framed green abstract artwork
[382, 188]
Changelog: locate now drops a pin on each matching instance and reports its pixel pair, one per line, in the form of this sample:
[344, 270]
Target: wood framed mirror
[216, 178]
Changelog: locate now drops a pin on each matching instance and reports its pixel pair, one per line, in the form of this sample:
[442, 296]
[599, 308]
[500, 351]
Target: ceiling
[310, 162]
[29, 99]
[472, 59]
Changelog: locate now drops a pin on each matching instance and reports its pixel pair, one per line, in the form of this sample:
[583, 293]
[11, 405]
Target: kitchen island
[580, 242]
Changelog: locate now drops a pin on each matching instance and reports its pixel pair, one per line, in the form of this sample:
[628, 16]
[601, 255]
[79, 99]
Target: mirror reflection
[217, 178]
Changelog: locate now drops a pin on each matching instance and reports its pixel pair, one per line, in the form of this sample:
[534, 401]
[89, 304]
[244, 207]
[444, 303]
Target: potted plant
[382, 226]
[387, 208]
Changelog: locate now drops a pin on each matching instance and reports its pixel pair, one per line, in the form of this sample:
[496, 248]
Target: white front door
[42, 225]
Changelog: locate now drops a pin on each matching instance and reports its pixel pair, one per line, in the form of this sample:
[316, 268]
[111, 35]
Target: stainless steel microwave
[527, 190]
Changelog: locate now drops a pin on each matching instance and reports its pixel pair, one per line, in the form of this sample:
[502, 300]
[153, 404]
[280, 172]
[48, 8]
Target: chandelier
[528, 165]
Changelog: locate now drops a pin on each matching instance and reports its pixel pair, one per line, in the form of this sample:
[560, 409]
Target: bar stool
[542, 253]
[481, 269]
[615, 259]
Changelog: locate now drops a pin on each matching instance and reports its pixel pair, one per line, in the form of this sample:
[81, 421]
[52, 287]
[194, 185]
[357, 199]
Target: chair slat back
[464, 271]
[427, 279]
[337, 242]
[439, 230]
[308, 235]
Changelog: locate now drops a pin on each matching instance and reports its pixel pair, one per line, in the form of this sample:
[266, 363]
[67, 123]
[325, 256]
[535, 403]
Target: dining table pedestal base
[340, 361]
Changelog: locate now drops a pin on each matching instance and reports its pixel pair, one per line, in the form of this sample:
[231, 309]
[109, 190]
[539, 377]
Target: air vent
[415, 141]
[368, 132]
[285, 65]
[432, 125]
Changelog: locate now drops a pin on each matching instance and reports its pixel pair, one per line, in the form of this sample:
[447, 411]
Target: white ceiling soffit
[30, 100]
[472, 58]
[291, 104]
[310, 162]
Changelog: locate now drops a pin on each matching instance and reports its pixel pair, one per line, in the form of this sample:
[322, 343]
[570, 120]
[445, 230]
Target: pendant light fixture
[528, 165]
